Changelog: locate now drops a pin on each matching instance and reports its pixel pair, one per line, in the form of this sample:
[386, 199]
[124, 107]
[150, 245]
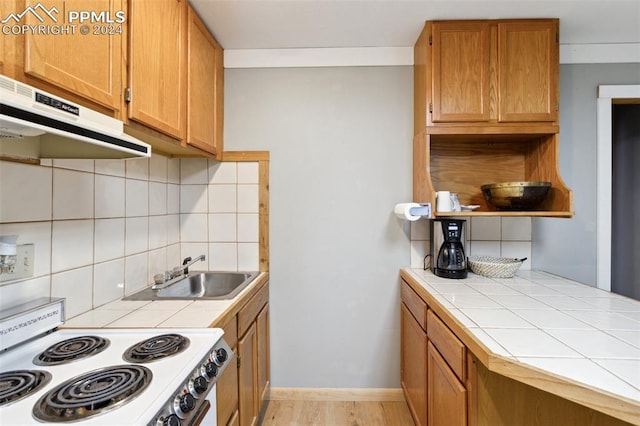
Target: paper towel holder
[424, 210]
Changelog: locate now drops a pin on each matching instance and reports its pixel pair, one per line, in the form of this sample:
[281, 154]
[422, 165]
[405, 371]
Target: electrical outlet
[23, 268]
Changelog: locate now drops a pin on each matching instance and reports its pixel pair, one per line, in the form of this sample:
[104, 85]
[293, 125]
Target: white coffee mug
[443, 201]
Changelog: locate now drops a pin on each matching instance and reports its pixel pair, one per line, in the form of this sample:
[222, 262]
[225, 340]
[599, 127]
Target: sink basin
[200, 285]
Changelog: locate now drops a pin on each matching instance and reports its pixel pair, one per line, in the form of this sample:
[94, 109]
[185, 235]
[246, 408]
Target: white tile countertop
[159, 313]
[573, 331]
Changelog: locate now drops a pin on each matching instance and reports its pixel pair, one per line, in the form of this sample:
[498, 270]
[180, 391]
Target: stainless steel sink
[200, 285]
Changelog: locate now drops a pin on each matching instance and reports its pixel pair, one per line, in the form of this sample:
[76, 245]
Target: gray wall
[568, 247]
[340, 143]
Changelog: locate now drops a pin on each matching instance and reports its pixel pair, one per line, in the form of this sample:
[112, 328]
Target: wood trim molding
[239, 156]
[336, 394]
[263, 214]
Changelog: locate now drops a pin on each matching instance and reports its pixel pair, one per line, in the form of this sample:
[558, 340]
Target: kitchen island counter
[166, 313]
[554, 334]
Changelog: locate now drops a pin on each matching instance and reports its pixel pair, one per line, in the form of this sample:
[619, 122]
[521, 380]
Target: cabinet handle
[238, 361]
[127, 94]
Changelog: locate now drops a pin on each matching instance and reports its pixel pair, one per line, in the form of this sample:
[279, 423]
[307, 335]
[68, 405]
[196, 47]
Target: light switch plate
[23, 268]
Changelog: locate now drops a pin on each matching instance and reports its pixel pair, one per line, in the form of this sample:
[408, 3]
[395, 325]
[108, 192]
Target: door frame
[607, 95]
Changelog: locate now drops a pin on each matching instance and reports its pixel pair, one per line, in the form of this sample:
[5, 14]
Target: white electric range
[105, 376]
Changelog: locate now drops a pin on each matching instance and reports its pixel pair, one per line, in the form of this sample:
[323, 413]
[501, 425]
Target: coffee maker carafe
[448, 259]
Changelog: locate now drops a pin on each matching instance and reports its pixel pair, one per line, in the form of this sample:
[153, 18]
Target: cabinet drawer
[231, 332]
[449, 346]
[250, 311]
[415, 304]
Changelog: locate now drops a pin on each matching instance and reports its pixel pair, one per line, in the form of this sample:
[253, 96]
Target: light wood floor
[336, 413]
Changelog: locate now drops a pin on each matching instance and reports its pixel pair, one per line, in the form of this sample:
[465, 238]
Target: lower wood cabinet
[432, 365]
[248, 380]
[241, 392]
[446, 395]
[413, 366]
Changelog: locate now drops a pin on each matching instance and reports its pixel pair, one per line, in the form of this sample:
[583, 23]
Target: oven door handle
[199, 416]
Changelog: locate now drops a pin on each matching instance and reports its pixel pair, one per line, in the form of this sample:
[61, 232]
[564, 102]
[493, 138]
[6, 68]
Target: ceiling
[283, 24]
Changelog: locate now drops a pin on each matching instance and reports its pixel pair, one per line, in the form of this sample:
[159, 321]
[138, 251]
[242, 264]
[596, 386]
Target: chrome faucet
[188, 262]
[176, 274]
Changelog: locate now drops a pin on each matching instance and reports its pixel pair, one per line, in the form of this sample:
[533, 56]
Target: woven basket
[495, 267]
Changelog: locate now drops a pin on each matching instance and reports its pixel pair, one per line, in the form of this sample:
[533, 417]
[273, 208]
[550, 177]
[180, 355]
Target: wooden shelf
[462, 163]
[545, 213]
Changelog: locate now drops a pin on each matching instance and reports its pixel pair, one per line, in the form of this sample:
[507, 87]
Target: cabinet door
[248, 378]
[447, 396]
[413, 368]
[205, 83]
[87, 65]
[227, 392]
[461, 65]
[528, 71]
[157, 68]
[262, 324]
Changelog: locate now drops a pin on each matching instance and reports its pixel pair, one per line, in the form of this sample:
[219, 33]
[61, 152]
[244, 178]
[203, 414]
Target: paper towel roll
[402, 210]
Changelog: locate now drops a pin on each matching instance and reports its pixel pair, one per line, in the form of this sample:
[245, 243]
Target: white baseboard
[335, 394]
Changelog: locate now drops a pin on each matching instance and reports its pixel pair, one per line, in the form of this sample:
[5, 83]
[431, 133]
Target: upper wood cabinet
[176, 80]
[157, 65]
[84, 67]
[205, 81]
[487, 73]
[485, 111]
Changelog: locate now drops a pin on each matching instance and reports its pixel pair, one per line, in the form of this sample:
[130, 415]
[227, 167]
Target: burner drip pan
[92, 393]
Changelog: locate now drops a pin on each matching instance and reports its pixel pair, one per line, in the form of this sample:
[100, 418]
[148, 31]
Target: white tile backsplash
[193, 228]
[25, 192]
[222, 199]
[157, 232]
[248, 224]
[108, 282]
[173, 198]
[110, 167]
[248, 257]
[248, 173]
[136, 235]
[72, 194]
[136, 274]
[248, 199]
[485, 228]
[109, 239]
[158, 168]
[72, 244]
[193, 199]
[76, 285]
[109, 196]
[157, 198]
[223, 172]
[516, 229]
[136, 198]
[222, 227]
[193, 171]
[223, 256]
[75, 164]
[137, 168]
[103, 228]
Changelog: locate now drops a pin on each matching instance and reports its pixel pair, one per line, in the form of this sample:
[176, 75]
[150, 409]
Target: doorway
[607, 97]
[625, 206]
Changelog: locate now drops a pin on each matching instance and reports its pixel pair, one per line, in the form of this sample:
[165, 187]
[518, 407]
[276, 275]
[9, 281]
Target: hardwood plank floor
[336, 413]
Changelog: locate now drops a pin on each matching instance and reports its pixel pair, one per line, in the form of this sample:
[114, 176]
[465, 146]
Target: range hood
[37, 124]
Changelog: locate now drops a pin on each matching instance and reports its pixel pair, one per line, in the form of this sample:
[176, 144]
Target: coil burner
[92, 393]
[156, 348]
[15, 385]
[71, 349]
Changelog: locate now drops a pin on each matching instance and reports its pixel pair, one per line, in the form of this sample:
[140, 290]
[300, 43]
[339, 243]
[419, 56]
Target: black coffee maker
[448, 259]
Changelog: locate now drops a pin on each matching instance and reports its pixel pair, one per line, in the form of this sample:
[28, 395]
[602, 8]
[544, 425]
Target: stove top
[108, 376]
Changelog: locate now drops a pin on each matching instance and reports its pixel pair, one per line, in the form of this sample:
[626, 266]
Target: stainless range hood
[36, 124]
